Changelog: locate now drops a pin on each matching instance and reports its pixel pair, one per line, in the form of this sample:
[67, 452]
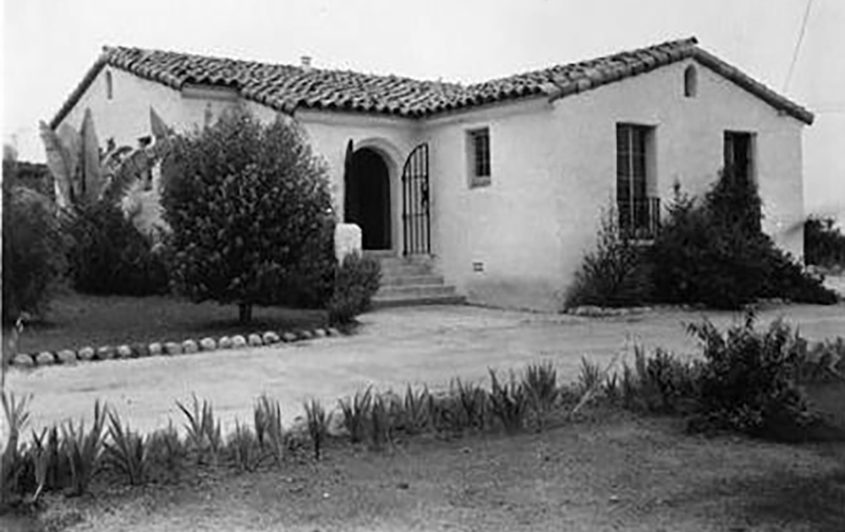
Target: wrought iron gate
[416, 217]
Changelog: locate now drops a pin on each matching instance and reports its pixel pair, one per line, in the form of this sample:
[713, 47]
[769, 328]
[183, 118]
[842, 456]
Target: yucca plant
[204, 435]
[267, 418]
[12, 459]
[127, 452]
[380, 422]
[472, 400]
[589, 376]
[540, 384]
[508, 402]
[83, 449]
[243, 448]
[356, 410]
[611, 387]
[317, 421]
[47, 449]
[415, 414]
[167, 453]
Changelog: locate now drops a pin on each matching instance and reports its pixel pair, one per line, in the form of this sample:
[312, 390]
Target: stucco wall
[553, 167]
[688, 139]
[508, 228]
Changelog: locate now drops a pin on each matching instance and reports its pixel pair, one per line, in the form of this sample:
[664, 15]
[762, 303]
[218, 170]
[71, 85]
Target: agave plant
[243, 448]
[168, 455]
[508, 402]
[12, 463]
[204, 434]
[269, 432]
[356, 410]
[83, 449]
[318, 425]
[540, 383]
[127, 452]
[416, 416]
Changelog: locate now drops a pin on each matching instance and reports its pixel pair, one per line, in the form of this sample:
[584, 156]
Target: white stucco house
[497, 186]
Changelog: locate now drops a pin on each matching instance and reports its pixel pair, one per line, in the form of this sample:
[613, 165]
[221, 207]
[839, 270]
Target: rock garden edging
[186, 347]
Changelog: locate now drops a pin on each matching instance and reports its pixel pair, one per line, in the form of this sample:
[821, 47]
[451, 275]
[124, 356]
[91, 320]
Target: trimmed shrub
[250, 213]
[715, 253]
[824, 243]
[33, 259]
[356, 281]
[110, 256]
[614, 274]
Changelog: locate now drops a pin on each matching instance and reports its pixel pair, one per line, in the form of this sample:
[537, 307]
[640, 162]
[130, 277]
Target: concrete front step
[392, 295]
[402, 302]
[410, 281]
[402, 280]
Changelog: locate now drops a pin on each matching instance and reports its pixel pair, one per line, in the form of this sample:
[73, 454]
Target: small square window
[479, 156]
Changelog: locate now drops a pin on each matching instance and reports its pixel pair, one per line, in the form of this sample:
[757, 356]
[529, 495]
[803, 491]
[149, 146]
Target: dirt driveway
[393, 347]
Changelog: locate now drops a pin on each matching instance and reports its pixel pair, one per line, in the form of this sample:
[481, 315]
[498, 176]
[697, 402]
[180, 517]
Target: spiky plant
[416, 416]
[243, 448]
[47, 446]
[83, 449]
[380, 422]
[317, 421]
[12, 463]
[472, 400]
[269, 432]
[356, 410]
[508, 402]
[167, 452]
[540, 383]
[127, 452]
[204, 435]
[589, 376]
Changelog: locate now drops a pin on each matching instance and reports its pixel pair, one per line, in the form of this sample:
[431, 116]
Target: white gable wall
[688, 138]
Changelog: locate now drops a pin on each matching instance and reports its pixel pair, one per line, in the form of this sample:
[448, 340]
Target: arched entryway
[367, 198]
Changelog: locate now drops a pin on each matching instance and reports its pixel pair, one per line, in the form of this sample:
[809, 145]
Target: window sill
[478, 182]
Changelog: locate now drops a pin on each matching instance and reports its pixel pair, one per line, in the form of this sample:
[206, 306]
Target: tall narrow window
[109, 87]
[690, 82]
[638, 213]
[478, 144]
[738, 148]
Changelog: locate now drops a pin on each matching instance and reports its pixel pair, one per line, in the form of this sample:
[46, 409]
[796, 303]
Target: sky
[49, 44]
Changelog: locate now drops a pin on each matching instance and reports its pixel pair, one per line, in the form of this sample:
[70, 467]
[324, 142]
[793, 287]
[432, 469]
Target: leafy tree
[250, 213]
[32, 248]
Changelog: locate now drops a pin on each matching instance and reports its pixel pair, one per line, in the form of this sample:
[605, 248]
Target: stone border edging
[186, 347]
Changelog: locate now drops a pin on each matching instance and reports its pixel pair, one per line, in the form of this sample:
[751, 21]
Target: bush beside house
[824, 243]
[357, 280]
[709, 251]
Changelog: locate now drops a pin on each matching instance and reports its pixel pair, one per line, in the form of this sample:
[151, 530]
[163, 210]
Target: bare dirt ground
[616, 472]
[393, 347]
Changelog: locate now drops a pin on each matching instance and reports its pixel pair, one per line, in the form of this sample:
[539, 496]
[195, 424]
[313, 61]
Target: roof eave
[77, 92]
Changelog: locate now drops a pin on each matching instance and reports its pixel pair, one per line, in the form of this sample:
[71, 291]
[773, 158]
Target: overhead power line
[797, 45]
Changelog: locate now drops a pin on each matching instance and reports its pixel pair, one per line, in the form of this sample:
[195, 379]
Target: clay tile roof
[285, 87]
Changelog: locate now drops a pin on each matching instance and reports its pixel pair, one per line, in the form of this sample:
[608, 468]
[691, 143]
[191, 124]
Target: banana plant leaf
[60, 163]
[92, 179]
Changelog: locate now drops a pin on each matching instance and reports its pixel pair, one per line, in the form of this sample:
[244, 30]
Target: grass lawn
[614, 471]
[78, 320]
